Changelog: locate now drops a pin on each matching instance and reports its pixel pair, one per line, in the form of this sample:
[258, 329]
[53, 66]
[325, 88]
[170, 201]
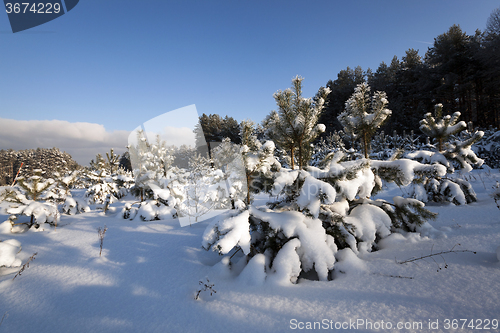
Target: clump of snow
[5, 227]
[286, 265]
[225, 233]
[313, 193]
[349, 263]
[72, 206]
[394, 240]
[8, 251]
[42, 212]
[254, 272]
[369, 222]
[316, 248]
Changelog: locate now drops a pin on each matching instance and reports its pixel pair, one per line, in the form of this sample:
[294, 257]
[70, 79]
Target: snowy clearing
[149, 273]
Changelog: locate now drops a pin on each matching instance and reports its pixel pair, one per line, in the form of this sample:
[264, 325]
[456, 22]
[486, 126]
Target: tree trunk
[365, 144]
[300, 155]
[248, 188]
[291, 157]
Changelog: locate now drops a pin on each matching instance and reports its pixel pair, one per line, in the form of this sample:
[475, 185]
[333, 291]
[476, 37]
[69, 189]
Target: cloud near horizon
[83, 141]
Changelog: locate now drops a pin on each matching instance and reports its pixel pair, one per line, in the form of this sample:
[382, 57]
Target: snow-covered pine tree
[363, 114]
[202, 191]
[150, 164]
[440, 128]
[104, 191]
[27, 196]
[227, 157]
[294, 126]
[259, 161]
[450, 154]
[319, 210]
[113, 162]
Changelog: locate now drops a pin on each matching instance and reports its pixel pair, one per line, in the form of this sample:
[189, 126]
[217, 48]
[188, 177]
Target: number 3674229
[35, 8]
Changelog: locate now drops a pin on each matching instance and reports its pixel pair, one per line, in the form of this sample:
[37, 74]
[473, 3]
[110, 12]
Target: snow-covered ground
[149, 273]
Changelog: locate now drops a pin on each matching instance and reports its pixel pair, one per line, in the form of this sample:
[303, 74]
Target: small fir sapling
[26, 196]
[259, 161]
[228, 158]
[151, 165]
[202, 191]
[449, 153]
[294, 126]
[363, 115]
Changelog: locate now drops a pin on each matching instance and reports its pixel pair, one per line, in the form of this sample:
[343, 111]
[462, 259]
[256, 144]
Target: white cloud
[81, 140]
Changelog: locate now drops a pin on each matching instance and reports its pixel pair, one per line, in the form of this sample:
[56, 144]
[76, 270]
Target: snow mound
[349, 263]
[5, 227]
[254, 273]
[8, 251]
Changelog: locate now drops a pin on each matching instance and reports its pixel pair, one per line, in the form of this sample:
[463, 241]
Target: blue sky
[119, 63]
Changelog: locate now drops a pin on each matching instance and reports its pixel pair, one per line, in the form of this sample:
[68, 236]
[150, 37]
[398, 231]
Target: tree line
[48, 160]
[459, 70]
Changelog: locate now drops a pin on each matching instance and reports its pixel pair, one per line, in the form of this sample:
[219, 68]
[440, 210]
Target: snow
[8, 252]
[235, 232]
[316, 248]
[147, 274]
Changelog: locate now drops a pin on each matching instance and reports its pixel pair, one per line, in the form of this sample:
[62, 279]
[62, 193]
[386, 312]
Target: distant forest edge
[49, 160]
[460, 71]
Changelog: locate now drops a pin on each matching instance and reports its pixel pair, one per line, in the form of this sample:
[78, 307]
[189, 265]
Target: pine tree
[450, 154]
[202, 190]
[294, 126]
[113, 161]
[27, 196]
[259, 161]
[364, 115]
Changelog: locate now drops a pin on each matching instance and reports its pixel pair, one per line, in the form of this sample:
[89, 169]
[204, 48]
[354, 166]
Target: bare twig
[394, 276]
[3, 317]
[206, 286]
[26, 265]
[101, 232]
[432, 255]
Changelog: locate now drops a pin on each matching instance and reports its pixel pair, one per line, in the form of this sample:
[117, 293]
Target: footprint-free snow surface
[149, 273]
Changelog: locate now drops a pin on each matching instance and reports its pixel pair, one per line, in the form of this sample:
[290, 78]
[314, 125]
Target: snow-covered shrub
[149, 210]
[384, 146]
[318, 211]
[9, 250]
[496, 194]
[72, 206]
[39, 212]
[203, 189]
[489, 148]
[259, 162]
[103, 192]
[452, 154]
[24, 197]
[228, 158]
